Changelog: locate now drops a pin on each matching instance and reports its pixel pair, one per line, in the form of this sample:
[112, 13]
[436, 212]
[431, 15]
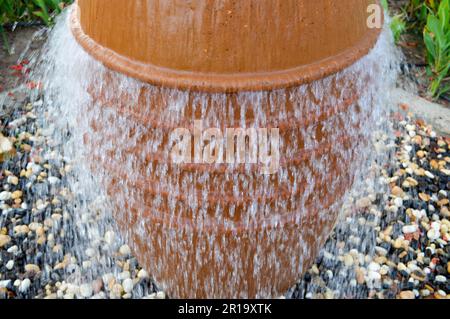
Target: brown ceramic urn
[218, 229]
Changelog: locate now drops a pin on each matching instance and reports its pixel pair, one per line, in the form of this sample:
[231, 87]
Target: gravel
[409, 229]
[38, 227]
[390, 246]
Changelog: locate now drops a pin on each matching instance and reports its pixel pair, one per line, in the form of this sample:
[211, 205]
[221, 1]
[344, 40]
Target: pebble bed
[37, 225]
[410, 229]
[390, 246]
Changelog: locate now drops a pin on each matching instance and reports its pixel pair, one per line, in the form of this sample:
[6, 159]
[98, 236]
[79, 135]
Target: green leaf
[429, 43]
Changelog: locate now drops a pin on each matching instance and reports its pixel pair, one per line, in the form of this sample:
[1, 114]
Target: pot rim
[216, 82]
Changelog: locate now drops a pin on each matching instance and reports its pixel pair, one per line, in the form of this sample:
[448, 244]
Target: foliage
[437, 41]
[398, 26]
[417, 12]
[398, 23]
[12, 11]
[26, 10]
[429, 18]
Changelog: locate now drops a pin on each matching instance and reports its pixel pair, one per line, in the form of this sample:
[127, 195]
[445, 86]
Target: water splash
[80, 109]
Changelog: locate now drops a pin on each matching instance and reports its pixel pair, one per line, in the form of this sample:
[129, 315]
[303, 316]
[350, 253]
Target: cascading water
[352, 138]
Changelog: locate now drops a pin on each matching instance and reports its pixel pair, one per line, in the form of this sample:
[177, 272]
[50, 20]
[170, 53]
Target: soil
[18, 40]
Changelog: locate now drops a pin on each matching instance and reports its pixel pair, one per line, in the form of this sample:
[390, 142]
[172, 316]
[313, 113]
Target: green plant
[398, 26]
[417, 12]
[45, 7]
[398, 23]
[437, 41]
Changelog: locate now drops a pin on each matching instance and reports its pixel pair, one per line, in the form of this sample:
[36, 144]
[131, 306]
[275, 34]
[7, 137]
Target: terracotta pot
[226, 230]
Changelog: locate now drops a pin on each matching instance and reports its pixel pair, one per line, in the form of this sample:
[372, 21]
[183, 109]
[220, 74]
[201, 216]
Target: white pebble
[10, 265]
[433, 234]
[5, 195]
[425, 292]
[398, 202]
[142, 274]
[13, 249]
[160, 295]
[14, 180]
[38, 103]
[109, 237]
[373, 275]
[409, 229]
[436, 225]
[373, 266]
[441, 279]
[124, 275]
[5, 144]
[53, 180]
[107, 278]
[90, 252]
[4, 283]
[329, 274]
[125, 250]
[40, 205]
[429, 175]
[86, 290]
[25, 285]
[127, 285]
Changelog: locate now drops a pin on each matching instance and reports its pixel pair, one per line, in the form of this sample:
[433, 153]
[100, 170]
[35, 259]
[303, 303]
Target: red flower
[17, 67]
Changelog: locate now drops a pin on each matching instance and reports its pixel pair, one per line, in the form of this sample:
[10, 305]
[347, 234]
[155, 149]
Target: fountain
[311, 70]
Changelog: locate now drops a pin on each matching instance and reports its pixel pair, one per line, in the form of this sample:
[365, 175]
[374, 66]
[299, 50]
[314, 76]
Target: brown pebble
[434, 164]
[443, 202]
[97, 285]
[417, 140]
[4, 240]
[397, 191]
[407, 295]
[26, 148]
[360, 276]
[424, 197]
[403, 254]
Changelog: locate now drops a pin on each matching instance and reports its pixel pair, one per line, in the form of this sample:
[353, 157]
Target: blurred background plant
[16, 11]
[437, 41]
[429, 20]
